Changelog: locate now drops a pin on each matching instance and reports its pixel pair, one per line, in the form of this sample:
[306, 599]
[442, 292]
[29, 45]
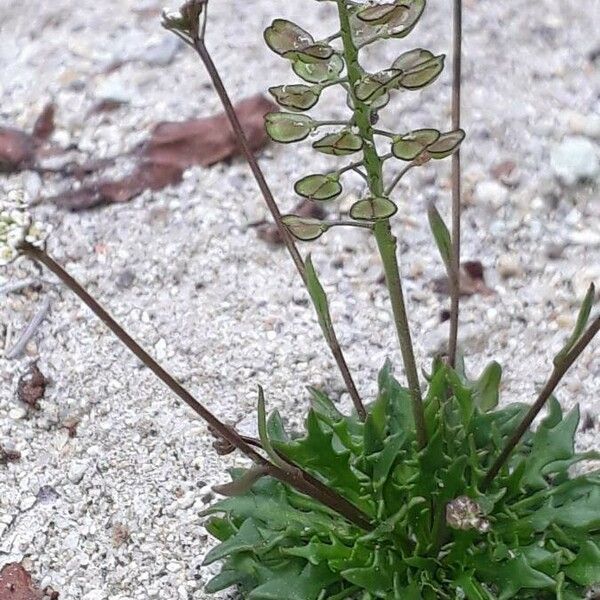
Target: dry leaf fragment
[471, 281]
[16, 584]
[17, 150]
[172, 148]
[209, 140]
[31, 387]
[44, 125]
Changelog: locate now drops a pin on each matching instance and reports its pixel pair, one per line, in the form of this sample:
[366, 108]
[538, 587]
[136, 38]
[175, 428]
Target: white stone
[491, 193]
[584, 278]
[588, 125]
[585, 237]
[77, 470]
[575, 159]
[174, 567]
[160, 349]
[508, 266]
[113, 88]
[95, 595]
[17, 413]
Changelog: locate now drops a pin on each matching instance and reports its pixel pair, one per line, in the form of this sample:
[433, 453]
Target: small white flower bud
[17, 226]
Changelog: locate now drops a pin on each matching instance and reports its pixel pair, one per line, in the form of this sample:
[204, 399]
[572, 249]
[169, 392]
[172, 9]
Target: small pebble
[491, 193]
[17, 413]
[509, 265]
[77, 471]
[574, 160]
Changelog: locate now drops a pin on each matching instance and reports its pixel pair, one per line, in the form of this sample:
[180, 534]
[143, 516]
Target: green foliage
[535, 534]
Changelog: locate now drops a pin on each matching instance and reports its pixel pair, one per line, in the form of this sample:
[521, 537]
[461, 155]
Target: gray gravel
[114, 511]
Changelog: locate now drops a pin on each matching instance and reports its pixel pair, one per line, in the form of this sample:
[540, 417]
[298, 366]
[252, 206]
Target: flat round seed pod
[297, 96]
[319, 187]
[411, 145]
[373, 209]
[446, 144]
[306, 229]
[342, 143]
[284, 36]
[288, 127]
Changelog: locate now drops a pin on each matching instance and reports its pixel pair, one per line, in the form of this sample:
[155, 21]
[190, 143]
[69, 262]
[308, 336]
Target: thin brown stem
[294, 477]
[555, 378]
[330, 335]
[456, 185]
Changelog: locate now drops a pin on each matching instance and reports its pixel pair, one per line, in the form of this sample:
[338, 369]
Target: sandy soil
[113, 512]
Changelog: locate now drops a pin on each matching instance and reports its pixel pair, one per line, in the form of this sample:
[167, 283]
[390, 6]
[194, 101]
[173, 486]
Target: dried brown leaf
[31, 387]
[172, 148]
[146, 176]
[17, 150]
[106, 105]
[209, 140]
[44, 125]
[16, 584]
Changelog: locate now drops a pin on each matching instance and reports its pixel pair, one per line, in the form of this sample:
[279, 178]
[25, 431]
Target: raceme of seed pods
[321, 65]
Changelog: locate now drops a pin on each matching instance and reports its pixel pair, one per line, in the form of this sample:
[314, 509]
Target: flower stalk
[386, 242]
[456, 184]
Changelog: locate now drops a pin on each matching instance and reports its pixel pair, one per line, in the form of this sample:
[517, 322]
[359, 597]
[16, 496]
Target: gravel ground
[113, 512]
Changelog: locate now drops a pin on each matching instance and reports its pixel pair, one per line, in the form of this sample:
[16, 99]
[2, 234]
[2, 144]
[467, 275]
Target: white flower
[17, 226]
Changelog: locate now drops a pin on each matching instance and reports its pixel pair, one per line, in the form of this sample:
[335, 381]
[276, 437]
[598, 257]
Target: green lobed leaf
[288, 127]
[307, 585]
[585, 569]
[324, 407]
[514, 575]
[551, 443]
[316, 453]
[486, 390]
[246, 539]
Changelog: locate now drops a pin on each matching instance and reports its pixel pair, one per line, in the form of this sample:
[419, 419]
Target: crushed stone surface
[105, 501]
